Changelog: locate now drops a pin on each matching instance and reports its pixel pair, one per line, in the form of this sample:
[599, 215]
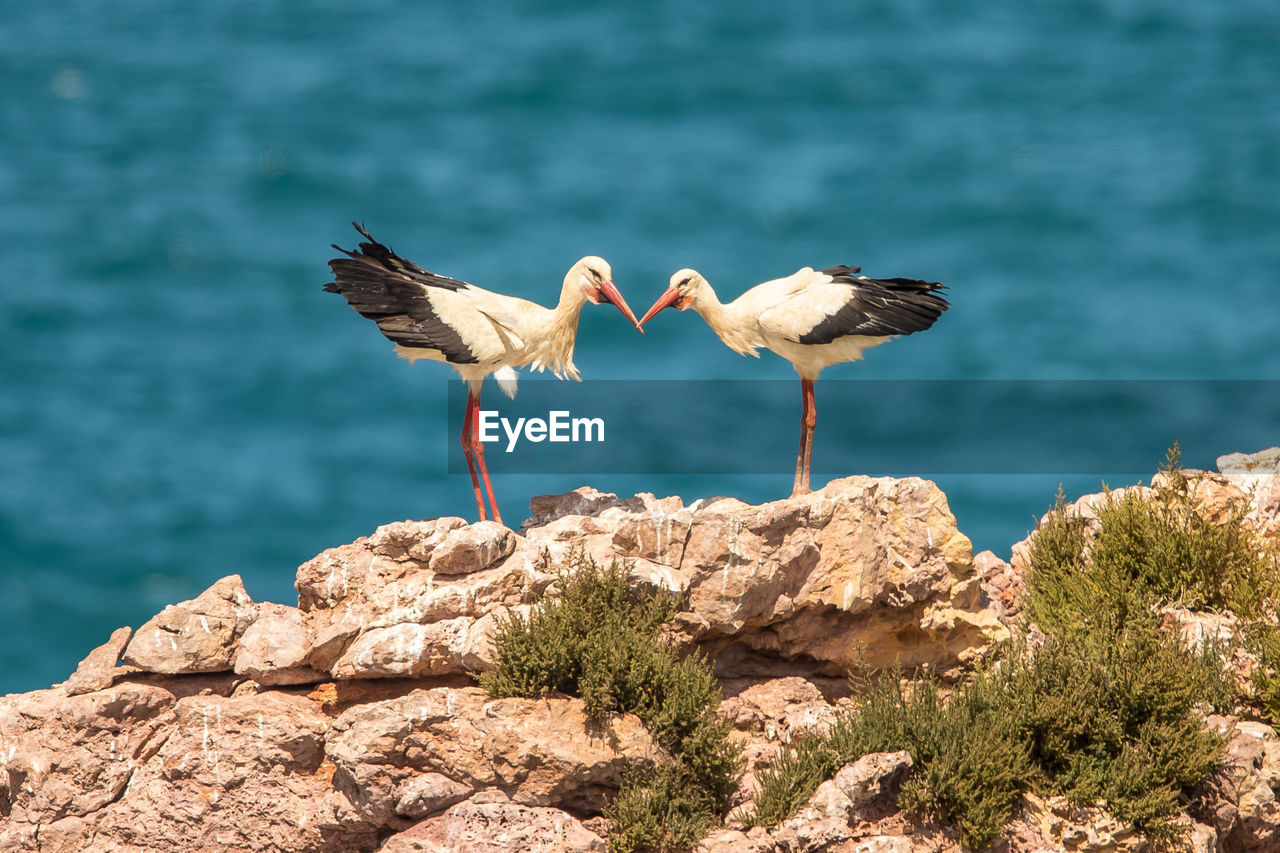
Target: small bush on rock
[789, 782]
[1262, 639]
[604, 642]
[584, 642]
[1161, 547]
[1112, 718]
[660, 808]
[970, 765]
[1089, 722]
[1108, 703]
[1105, 709]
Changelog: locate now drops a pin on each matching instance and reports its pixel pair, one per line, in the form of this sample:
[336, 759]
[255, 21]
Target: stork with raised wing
[812, 318]
[475, 331]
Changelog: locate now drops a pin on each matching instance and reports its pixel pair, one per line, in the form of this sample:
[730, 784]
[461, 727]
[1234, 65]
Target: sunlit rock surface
[352, 722]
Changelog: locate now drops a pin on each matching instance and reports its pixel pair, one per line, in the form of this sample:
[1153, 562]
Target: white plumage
[507, 379]
[477, 332]
[812, 318]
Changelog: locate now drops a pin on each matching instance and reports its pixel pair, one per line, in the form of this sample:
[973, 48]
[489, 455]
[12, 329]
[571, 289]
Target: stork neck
[727, 321]
[711, 309]
[564, 319]
[556, 350]
[571, 300]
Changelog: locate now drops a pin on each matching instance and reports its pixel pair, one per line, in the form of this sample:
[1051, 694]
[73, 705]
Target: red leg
[804, 442]
[807, 422]
[473, 406]
[810, 423]
[478, 447]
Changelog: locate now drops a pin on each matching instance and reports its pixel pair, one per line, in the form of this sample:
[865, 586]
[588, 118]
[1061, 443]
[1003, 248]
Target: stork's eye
[596, 275]
[685, 281]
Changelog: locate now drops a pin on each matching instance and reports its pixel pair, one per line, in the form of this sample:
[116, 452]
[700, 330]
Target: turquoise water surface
[1097, 182]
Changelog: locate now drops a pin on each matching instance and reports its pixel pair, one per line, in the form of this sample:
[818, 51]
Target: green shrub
[1057, 591]
[1262, 639]
[603, 642]
[1107, 704]
[1216, 688]
[1178, 553]
[1068, 596]
[1112, 719]
[659, 808]
[1104, 710]
[1155, 550]
[1088, 721]
[583, 643]
[970, 767]
[789, 782]
[1151, 549]
[973, 764]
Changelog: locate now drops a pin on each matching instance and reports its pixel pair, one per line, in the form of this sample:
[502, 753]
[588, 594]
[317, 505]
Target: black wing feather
[880, 307]
[393, 292]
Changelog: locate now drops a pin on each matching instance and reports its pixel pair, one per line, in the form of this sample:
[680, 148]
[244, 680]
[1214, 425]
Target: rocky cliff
[353, 722]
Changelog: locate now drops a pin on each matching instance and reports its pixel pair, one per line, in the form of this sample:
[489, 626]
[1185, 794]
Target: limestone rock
[584, 501]
[1006, 587]
[779, 709]
[97, 670]
[656, 533]
[820, 824]
[1199, 629]
[871, 783]
[471, 549]
[413, 541]
[855, 810]
[351, 723]
[644, 532]
[68, 756]
[1214, 495]
[199, 635]
[1084, 829]
[274, 648]
[728, 840]
[844, 808]
[1201, 839]
[889, 844]
[410, 650]
[1247, 470]
[238, 773]
[1247, 813]
[540, 752]
[376, 608]
[428, 794]
[865, 572]
[134, 767]
[1258, 475]
[497, 828]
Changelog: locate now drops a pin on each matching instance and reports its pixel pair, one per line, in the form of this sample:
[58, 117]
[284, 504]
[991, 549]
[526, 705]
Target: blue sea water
[1097, 182]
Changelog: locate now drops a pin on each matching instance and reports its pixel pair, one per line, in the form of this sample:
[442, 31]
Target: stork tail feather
[507, 378]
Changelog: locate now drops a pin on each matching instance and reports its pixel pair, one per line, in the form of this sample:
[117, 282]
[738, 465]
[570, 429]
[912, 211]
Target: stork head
[594, 278]
[682, 292]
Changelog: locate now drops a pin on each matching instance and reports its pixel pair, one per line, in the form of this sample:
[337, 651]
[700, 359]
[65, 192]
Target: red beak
[609, 293]
[667, 299]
